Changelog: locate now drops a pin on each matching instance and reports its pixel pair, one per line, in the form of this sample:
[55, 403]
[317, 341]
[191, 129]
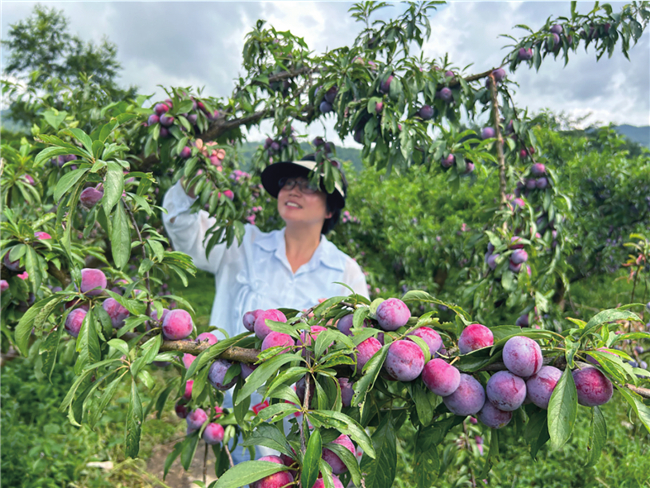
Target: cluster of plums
[517, 257]
[275, 146]
[160, 115]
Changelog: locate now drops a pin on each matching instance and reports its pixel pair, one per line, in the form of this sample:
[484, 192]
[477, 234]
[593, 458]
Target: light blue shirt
[257, 274]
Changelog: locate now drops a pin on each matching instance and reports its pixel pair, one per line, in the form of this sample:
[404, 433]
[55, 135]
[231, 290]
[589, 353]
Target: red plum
[440, 377]
[405, 360]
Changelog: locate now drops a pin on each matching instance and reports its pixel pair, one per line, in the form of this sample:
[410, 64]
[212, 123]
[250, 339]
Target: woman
[292, 267]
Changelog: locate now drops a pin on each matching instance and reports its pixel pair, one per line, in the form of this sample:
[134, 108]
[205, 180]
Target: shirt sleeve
[355, 279]
[187, 230]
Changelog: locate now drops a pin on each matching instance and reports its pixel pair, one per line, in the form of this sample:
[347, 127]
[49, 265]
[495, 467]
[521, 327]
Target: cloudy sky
[200, 43]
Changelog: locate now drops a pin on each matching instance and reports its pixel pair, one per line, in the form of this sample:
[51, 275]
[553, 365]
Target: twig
[205, 463]
[144, 255]
[500, 156]
[225, 447]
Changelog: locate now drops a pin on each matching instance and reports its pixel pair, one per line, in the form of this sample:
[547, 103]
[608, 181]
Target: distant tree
[42, 54]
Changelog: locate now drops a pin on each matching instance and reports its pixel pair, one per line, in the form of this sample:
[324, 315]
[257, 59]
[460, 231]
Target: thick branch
[497, 129]
[250, 356]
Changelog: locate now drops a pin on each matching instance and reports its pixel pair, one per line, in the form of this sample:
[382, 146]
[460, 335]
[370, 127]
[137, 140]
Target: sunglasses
[304, 185]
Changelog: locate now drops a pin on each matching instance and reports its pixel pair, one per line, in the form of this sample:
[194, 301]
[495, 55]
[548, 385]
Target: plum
[346, 391]
[181, 410]
[249, 319]
[330, 95]
[4, 286]
[405, 360]
[499, 74]
[217, 374]
[522, 356]
[538, 169]
[260, 327]
[325, 107]
[333, 460]
[90, 197]
[392, 314]
[385, 86]
[426, 112]
[188, 390]
[247, 370]
[74, 320]
[446, 95]
[366, 350]
[213, 434]
[345, 324]
[519, 256]
[493, 417]
[556, 29]
[154, 314]
[523, 321]
[506, 391]
[207, 336]
[177, 325]
[440, 377]
[196, 419]
[594, 388]
[276, 339]
[186, 152]
[469, 397]
[161, 108]
[275, 480]
[153, 119]
[188, 359]
[93, 281]
[320, 483]
[116, 312]
[525, 54]
[514, 267]
[473, 337]
[12, 265]
[430, 336]
[448, 161]
[540, 386]
[492, 260]
[166, 120]
[488, 133]
[541, 183]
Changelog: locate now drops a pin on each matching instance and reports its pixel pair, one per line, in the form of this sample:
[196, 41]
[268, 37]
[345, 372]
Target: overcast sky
[200, 43]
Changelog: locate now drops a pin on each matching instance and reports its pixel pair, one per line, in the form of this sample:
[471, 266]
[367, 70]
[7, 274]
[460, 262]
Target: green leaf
[608, 316]
[106, 397]
[270, 436]
[370, 372]
[422, 404]
[87, 344]
[113, 186]
[427, 460]
[133, 423]
[54, 118]
[171, 457]
[67, 181]
[82, 137]
[349, 459]
[641, 409]
[248, 472]
[380, 472]
[263, 372]
[34, 317]
[190, 449]
[598, 436]
[344, 424]
[536, 433]
[562, 410]
[312, 457]
[120, 345]
[121, 237]
[49, 349]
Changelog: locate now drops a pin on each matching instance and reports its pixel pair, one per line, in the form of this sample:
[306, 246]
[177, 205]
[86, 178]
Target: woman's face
[297, 206]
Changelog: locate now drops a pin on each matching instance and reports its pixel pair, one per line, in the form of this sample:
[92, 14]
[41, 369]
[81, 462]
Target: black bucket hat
[273, 173]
